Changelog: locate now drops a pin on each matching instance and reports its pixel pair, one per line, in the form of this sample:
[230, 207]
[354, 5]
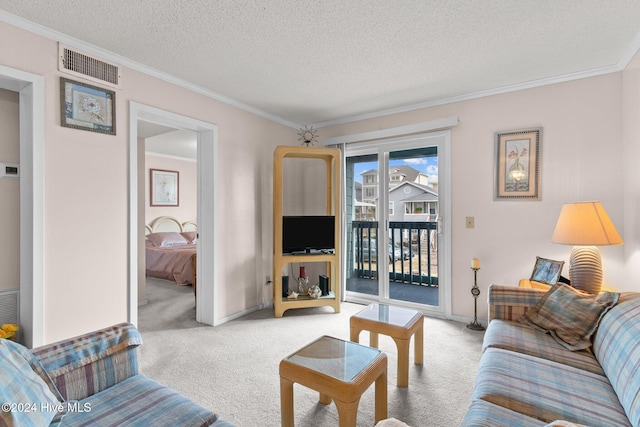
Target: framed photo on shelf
[517, 164]
[87, 107]
[164, 187]
[546, 271]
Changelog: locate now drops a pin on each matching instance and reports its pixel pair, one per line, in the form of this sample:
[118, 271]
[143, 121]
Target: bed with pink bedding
[171, 255]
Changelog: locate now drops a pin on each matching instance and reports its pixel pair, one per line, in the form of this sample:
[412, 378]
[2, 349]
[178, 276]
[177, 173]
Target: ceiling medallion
[308, 136]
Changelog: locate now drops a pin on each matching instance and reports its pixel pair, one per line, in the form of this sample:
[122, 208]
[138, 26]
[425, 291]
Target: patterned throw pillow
[33, 399]
[570, 316]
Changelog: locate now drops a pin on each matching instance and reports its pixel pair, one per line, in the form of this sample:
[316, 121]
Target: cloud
[418, 161]
[432, 170]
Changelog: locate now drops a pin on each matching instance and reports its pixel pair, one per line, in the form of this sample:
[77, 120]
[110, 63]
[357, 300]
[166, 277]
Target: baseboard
[467, 320]
[237, 315]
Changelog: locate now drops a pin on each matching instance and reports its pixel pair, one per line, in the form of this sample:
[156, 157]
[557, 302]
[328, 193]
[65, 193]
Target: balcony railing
[411, 253]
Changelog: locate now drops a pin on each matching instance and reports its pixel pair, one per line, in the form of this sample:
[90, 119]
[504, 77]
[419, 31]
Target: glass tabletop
[342, 360]
[390, 314]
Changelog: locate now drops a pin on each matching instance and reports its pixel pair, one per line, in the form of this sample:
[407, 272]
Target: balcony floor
[427, 295]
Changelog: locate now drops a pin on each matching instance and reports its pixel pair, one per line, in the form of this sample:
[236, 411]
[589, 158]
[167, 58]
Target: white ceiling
[328, 61]
[168, 141]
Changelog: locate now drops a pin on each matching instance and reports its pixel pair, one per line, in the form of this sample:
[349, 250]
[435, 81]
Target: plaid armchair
[93, 379]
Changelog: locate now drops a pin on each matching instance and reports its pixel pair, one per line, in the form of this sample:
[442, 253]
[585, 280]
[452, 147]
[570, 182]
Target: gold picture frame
[87, 107]
[517, 166]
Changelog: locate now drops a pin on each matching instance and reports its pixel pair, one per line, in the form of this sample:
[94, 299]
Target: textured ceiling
[321, 62]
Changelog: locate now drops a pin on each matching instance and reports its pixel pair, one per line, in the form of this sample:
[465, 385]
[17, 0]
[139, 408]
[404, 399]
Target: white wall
[631, 177]
[86, 195]
[582, 158]
[585, 155]
[9, 193]
[188, 186]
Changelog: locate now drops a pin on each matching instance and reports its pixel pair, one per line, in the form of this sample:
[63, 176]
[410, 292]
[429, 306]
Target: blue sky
[428, 165]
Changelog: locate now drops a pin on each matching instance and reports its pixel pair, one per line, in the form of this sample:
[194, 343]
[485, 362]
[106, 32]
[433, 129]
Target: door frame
[207, 134]
[382, 148]
[440, 128]
[30, 88]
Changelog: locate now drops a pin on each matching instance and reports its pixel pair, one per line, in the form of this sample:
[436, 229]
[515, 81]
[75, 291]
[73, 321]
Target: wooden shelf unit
[331, 157]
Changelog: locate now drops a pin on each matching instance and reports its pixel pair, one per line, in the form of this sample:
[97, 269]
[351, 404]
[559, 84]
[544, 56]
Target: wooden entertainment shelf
[331, 157]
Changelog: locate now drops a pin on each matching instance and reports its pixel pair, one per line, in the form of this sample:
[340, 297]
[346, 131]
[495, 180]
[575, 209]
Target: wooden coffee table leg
[373, 339]
[381, 397]
[418, 345]
[348, 412]
[403, 361]
[286, 402]
[325, 399]
[354, 335]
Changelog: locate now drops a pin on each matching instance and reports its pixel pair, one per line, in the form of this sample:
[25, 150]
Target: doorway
[166, 293]
[396, 249]
[30, 88]
[207, 143]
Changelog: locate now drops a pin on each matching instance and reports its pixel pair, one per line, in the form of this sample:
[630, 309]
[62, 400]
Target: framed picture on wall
[164, 186]
[87, 107]
[517, 166]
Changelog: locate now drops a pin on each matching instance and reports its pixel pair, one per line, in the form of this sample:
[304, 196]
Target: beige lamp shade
[585, 225]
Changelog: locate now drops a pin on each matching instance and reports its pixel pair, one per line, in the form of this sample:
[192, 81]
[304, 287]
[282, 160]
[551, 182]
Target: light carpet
[232, 369]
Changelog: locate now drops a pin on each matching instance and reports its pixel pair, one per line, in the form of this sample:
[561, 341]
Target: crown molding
[414, 128]
[629, 53]
[24, 24]
[171, 157]
[480, 94]
[89, 48]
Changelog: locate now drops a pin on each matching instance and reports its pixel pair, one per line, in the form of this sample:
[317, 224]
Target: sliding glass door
[395, 248]
[362, 225]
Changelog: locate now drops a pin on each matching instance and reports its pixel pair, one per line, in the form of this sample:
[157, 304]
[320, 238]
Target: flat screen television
[305, 234]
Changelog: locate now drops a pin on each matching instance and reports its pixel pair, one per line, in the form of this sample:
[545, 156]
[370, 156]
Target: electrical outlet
[470, 222]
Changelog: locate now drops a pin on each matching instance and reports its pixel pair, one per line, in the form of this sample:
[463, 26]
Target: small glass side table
[398, 323]
[338, 370]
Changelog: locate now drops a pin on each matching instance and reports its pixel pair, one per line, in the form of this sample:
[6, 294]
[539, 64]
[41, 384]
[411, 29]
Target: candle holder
[475, 291]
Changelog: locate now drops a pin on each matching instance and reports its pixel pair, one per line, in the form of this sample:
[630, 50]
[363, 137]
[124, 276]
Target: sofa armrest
[509, 302]
[89, 363]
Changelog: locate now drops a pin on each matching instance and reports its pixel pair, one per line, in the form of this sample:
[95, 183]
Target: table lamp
[585, 225]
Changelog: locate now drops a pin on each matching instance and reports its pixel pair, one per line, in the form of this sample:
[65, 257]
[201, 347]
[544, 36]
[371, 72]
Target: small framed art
[164, 187]
[517, 166]
[546, 271]
[87, 107]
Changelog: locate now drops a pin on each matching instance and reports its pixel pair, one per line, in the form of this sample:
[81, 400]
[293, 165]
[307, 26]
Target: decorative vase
[303, 285]
[303, 282]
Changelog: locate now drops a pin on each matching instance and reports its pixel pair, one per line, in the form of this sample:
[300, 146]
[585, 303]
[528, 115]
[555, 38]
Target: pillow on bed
[191, 236]
[167, 238]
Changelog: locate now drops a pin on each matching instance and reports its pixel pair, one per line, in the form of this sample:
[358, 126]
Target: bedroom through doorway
[168, 292]
[206, 310]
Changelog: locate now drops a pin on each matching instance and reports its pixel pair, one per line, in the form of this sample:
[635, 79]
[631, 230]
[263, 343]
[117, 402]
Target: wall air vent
[79, 64]
[10, 307]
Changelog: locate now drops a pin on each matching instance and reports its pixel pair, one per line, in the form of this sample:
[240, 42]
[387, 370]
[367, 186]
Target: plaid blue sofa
[90, 380]
[526, 378]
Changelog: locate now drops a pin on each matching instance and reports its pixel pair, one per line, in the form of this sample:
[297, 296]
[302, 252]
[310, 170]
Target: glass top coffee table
[340, 371]
[397, 322]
